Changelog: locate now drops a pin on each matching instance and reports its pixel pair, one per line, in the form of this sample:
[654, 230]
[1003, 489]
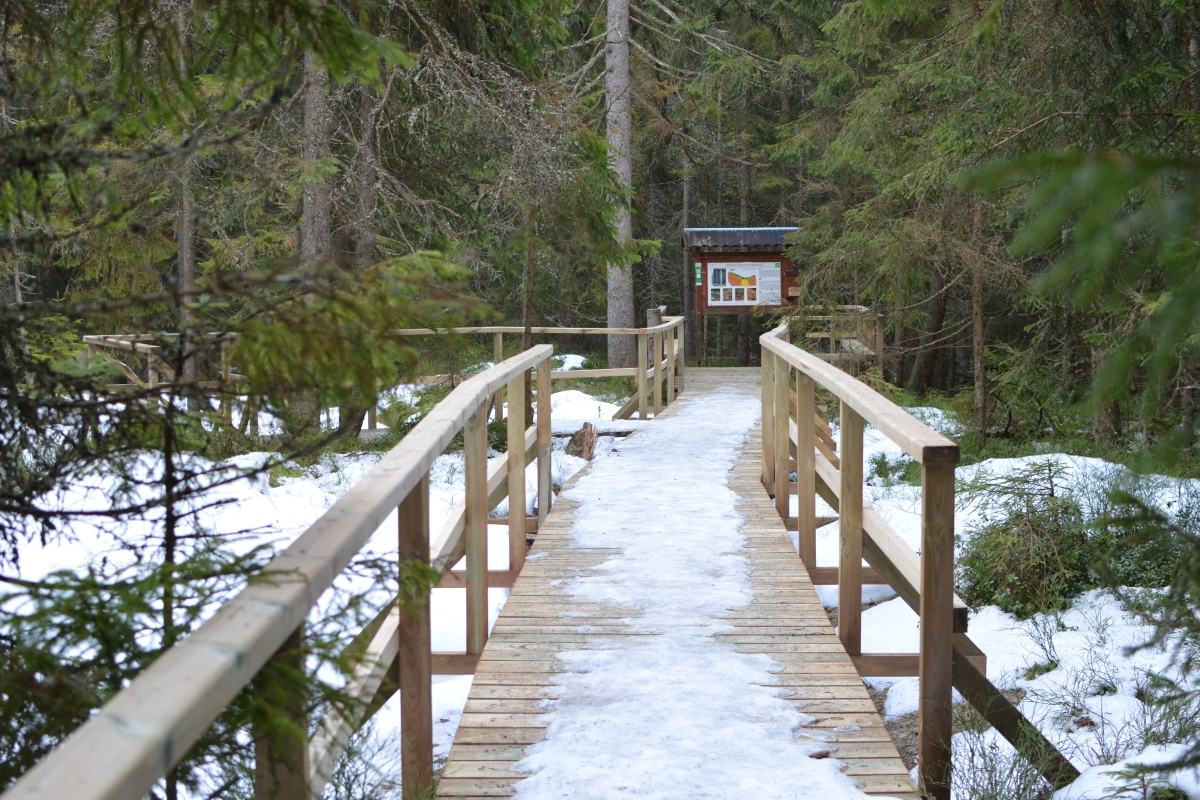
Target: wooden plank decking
[784, 621]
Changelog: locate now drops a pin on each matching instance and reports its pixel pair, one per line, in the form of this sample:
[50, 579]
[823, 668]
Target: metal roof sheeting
[736, 237]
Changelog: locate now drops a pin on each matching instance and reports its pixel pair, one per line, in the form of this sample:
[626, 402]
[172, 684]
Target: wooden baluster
[783, 376]
[658, 373]
[416, 689]
[768, 418]
[516, 472]
[545, 489]
[497, 357]
[252, 410]
[475, 528]
[671, 365]
[681, 349]
[937, 628]
[806, 470]
[850, 532]
[281, 753]
[643, 411]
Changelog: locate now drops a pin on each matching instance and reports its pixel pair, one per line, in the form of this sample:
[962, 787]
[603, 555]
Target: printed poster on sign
[744, 283]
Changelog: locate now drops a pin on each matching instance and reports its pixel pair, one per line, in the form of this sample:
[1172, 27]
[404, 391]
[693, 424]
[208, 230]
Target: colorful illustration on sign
[715, 296]
[742, 280]
[752, 294]
[718, 277]
[728, 294]
[739, 295]
[744, 283]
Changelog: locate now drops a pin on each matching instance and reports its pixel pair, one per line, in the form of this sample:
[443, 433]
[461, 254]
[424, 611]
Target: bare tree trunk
[368, 192]
[926, 359]
[315, 230]
[689, 281]
[1106, 417]
[979, 356]
[528, 309]
[622, 350]
[185, 278]
[743, 320]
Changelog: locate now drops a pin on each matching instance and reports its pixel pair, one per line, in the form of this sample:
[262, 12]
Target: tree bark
[315, 230]
[978, 355]
[368, 192]
[622, 350]
[926, 359]
[743, 320]
[689, 281]
[185, 277]
[528, 301]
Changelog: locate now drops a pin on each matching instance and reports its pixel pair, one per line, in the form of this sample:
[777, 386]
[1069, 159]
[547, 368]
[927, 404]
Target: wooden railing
[652, 375]
[795, 438]
[146, 729]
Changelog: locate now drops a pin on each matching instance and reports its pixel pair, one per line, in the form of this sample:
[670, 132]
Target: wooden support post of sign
[806, 470]
[281, 754]
[516, 475]
[414, 656]
[545, 486]
[498, 397]
[768, 418]
[782, 440]
[475, 530]
[934, 726]
[850, 513]
[643, 411]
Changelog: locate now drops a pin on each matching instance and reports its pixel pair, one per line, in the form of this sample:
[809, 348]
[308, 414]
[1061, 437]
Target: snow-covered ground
[1090, 705]
[625, 715]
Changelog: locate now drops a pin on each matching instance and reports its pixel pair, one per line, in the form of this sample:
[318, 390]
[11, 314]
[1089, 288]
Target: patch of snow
[674, 713]
[568, 361]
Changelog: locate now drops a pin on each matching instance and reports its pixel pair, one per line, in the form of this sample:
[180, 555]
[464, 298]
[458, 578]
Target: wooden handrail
[141, 733]
[947, 656]
[924, 444]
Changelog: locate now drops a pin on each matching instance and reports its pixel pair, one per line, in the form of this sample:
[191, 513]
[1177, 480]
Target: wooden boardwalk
[504, 713]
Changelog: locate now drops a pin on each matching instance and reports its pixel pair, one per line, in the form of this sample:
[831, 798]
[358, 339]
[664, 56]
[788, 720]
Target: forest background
[1011, 186]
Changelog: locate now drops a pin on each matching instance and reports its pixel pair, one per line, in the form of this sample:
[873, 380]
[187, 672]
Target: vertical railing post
[416, 690]
[545, 489]
[767, 365]
[937, 628]
[643, 411]
[281, 752]
[779, 405]
[475, 528]
[850, 531]
[657, 387]
[516, 473]
[498, 397]
[226, 383]
[806, 470]
[671, 364]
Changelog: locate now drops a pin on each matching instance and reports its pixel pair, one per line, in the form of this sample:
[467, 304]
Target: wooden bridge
[759, 681]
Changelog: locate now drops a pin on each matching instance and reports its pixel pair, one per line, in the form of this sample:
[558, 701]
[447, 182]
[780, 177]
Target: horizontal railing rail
[147, 728]
[795, 437]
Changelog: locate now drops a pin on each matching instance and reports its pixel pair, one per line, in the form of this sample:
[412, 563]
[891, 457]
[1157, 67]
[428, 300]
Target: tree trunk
[743, 320]
[1106, 417]
[926, 359]
[978, 355]
[622, 350]
[315, 230]
[185, 278]
[368, 192]
[528, 301]
[689, 280]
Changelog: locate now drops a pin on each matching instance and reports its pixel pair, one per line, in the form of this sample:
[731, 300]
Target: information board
[744, 283]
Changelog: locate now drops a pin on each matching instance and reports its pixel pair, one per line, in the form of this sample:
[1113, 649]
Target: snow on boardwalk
[664, 640]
